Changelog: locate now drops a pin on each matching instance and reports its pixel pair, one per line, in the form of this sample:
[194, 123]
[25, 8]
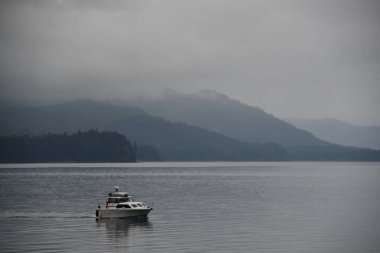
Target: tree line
[82, 146]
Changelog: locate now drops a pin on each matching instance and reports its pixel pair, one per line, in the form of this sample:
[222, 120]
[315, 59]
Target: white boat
[121, 205]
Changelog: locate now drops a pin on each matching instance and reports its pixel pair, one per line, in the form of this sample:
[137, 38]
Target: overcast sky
[293, 58]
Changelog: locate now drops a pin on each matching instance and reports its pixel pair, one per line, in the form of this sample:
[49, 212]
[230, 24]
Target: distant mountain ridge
[174, 141]
[340, 132]
[217, 112]
[182, 141]
[67, 117]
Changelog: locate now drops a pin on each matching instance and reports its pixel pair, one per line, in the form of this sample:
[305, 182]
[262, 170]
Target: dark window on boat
[123, 206]
[134, 205]
[113, 200]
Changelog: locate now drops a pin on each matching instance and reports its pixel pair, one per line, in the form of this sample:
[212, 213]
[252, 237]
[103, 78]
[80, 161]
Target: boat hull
[105, 213]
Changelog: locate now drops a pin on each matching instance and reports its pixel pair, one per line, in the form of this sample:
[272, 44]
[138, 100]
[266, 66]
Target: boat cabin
[118, 199]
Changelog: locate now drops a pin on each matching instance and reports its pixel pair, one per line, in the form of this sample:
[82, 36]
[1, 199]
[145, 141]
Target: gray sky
[293, 58]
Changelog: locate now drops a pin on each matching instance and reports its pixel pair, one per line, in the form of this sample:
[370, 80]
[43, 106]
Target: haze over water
[198, 207]
[303, 59]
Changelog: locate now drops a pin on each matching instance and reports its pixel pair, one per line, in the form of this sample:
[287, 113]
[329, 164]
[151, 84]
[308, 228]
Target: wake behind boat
[121, 205]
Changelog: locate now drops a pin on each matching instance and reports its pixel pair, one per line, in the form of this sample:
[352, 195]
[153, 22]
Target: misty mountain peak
[218, 113]
[171, 93]
[209, 95]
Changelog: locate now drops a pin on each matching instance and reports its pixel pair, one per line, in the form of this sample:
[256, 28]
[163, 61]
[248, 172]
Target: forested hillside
[174, 141]
[159, 138]
[217, 112]
[89, 146]
[181, 142]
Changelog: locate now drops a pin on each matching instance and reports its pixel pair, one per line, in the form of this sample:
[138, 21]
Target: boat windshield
[117, 200]
[123, 206]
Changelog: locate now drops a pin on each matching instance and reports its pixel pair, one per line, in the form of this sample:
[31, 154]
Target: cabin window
[123, 206]
[134, 205]
[139, 205]
[113, 200]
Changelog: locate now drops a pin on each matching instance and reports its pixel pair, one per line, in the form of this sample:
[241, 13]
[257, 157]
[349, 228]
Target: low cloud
[292, 58]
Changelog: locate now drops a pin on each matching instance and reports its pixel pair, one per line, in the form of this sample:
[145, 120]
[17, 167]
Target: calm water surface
[198, 207]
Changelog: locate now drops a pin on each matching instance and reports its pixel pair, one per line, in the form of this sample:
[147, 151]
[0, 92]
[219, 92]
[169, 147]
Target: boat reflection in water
[124, 232]
[122, 225]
